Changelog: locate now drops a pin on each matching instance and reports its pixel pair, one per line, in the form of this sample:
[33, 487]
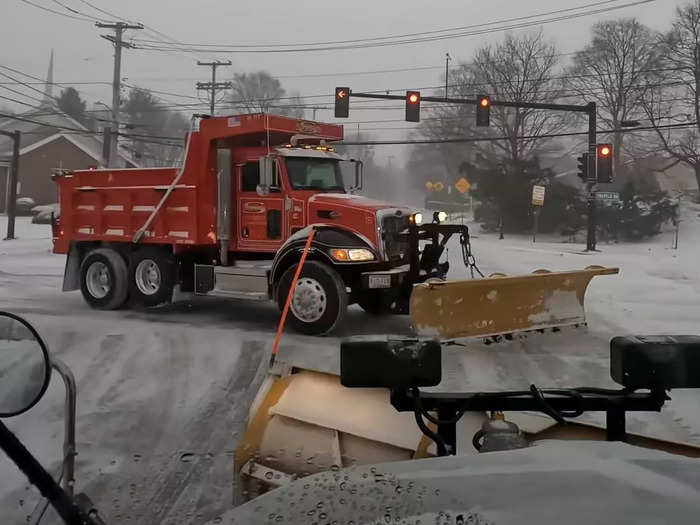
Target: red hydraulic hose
[283, 317]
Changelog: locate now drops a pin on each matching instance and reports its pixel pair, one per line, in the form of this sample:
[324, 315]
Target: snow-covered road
[163, 394]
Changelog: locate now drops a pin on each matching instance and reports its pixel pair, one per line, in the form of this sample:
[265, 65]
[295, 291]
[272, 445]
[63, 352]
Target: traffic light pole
[592, 177]
[589, 109]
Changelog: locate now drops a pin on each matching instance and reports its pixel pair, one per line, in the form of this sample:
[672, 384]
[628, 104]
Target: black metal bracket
[429, 232]
[564, 402]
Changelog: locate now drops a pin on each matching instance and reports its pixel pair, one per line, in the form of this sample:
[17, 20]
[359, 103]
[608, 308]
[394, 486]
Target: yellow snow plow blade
[501, 304]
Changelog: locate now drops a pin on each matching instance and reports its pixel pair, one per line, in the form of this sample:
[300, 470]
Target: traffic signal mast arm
[589, 109]
[530, 105]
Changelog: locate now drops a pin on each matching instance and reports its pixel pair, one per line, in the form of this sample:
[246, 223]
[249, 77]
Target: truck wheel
[319, 301]
[151, 277]
[103, 279]
[376, 302]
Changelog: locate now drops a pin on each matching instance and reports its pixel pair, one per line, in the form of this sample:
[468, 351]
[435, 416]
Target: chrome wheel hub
[147, 277]
[309, 300]
[97, 280]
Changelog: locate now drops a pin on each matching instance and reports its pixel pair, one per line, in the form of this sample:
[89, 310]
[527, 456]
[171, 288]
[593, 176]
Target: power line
[147, 28]
[31, 97]
[59, 13]
[68, 8]
[459, 140]
[17, 101]
[28, 86]
[396, 36]
[311, 47]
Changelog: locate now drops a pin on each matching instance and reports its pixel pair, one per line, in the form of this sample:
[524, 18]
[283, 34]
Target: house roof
[46, 124]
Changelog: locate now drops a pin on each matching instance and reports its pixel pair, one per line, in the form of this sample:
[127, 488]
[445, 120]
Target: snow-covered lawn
[154, 385]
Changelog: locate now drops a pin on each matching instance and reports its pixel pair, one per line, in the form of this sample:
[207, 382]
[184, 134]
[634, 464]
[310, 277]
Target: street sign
[462, 185]
[538, 195]
[607, 195]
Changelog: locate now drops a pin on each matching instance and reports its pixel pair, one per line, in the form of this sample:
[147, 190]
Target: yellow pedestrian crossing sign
[462, 185]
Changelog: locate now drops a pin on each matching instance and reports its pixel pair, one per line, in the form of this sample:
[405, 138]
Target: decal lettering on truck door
[260, 217]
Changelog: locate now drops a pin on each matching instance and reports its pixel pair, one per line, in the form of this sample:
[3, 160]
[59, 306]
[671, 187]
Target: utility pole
[447, 71]
[213, 86]
[116, 39]
[13, 177]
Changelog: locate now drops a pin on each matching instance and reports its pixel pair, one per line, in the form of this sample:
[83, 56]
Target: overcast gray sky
[28, 34]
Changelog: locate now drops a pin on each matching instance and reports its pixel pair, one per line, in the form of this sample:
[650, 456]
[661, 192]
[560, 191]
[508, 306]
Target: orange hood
[350, 201]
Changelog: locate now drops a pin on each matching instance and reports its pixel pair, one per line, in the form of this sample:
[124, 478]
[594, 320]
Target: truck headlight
[442, 216]
[418, 218]
[354, 255]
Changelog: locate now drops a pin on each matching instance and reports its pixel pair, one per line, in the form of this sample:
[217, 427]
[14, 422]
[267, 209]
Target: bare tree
[443, 121]
[612, 70]
[260, 92]
[519, 68]
[673, 97]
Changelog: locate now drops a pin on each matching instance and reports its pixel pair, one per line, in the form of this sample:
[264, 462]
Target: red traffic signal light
[413, 106]
[483, 110]
[604, 165]
[342, 102]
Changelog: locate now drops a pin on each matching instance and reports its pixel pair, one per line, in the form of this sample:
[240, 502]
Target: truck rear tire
[104, 279]
[319, 302]
[151, 277]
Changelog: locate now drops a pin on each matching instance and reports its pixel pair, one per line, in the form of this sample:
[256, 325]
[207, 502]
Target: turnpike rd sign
[607, 195]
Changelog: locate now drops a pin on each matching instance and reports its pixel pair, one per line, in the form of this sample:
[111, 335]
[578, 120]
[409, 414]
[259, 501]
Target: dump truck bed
[111, 205]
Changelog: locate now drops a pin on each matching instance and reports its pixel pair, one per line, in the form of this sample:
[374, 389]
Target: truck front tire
[151, 277]
[319, 301]
[104, 279]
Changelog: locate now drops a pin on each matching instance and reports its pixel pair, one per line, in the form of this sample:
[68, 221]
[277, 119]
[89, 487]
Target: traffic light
[604, 163]
[483, 110]
[583, 167]
[413, 106]
[342, 102]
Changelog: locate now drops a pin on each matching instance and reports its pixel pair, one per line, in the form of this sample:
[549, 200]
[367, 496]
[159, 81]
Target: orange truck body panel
[111, 205]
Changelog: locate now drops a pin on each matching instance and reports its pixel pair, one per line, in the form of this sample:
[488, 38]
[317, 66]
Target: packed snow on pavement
[163, 394]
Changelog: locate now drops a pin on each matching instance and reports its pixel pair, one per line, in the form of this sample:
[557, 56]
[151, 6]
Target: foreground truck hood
[352, 201]
[355, 212]
[576, 481]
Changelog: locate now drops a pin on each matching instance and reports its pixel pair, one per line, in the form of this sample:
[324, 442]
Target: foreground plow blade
[501, 304]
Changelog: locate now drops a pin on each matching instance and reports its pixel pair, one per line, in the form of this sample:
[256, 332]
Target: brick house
[50, 139]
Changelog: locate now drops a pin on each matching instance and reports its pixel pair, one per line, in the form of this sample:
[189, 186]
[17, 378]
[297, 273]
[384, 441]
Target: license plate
[380, 281]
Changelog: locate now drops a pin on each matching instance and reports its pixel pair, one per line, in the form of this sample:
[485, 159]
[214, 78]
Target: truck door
[261, 218]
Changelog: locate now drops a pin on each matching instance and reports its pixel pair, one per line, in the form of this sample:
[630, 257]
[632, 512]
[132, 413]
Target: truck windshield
[314, 174]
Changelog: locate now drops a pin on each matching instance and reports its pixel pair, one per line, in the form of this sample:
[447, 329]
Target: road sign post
[537, 203]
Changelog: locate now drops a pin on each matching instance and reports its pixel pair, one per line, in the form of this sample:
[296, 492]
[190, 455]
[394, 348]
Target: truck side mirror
[267, 174]
[359, 174]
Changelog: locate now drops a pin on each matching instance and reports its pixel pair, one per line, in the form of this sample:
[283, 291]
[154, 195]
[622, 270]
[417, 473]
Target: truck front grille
[395, 245]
